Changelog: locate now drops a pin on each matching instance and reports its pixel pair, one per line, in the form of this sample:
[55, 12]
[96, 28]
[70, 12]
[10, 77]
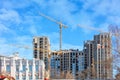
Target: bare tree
[83, 74]
[90, 72]
[93, 71]
[115, 31]
[63, 75]
[69, 75]
[55, 75]
[117, 76]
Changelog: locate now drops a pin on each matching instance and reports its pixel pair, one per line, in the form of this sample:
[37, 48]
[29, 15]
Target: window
[37, 68]
[8, 68]
[35, 51]
[30, 68]
[35, 45]
[73, 60]
[37, 76]
[41, 39]
[58, 67]
[24, 77]
[73, 53]
[24, 68]
[30, 77]
[17, 77]
[35, 56]
[17, 68]
[45, 51]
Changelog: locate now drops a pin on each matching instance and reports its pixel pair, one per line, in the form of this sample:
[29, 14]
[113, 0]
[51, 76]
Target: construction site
[93, 62]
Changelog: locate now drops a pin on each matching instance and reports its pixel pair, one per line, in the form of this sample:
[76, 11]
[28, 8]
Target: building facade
[98, 55]
[55, 64]
[103, 56]
[88, 52]
[22, 69]
[68, 60]
[41, 49]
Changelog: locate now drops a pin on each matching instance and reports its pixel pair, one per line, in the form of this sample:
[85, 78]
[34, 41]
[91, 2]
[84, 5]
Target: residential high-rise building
[68, 60]
[103, 55]
[89, 56]
[55, 64]
[88, 52]
[98, 55]
[22, 69]
[41, 49]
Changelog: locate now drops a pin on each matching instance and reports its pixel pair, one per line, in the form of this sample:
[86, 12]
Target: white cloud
[103, 7]
[103, 27]
[2, 40]
[3, 28]
[114, 19]
[9, 15]
[60, 10]
[23, 39]
[6, 49]
[19, 45]
[13, 4]
[33, 30]
[109, 9]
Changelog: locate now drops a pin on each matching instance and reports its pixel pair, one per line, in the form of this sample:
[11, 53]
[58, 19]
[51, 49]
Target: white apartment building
[22, 69]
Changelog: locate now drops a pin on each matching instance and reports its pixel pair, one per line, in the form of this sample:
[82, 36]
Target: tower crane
[97, 29]
[61, 25]
[101, 31]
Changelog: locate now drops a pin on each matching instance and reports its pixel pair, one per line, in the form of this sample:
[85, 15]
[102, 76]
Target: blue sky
[20, 21]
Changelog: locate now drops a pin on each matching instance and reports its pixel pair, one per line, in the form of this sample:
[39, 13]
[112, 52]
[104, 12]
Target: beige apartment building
[103, 55]
[98, 54]
[41, 49]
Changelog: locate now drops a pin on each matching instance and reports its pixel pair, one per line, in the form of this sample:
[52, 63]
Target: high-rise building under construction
[71, 60]
[103, 55]
[98, 55]
[41, 49]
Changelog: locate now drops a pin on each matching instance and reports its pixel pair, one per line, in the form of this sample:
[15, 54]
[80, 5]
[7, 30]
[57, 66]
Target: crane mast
[60, 26]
